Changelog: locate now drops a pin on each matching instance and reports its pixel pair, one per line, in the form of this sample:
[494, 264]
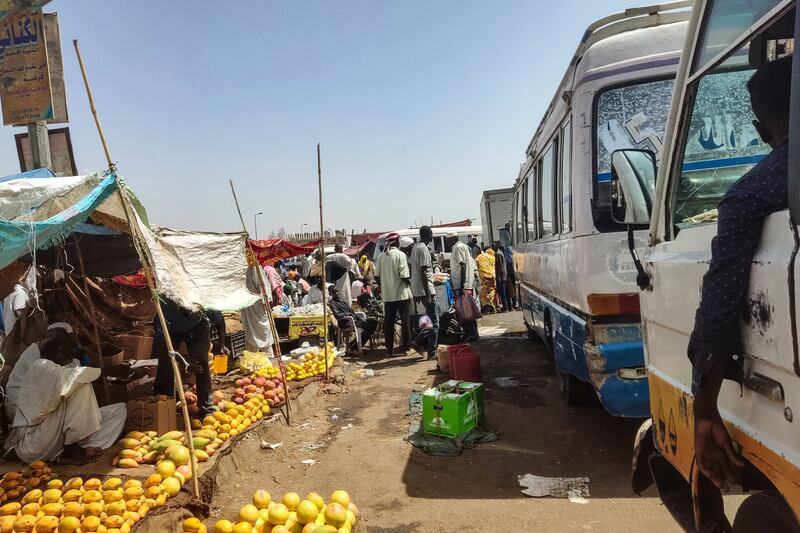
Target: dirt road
[357, 437]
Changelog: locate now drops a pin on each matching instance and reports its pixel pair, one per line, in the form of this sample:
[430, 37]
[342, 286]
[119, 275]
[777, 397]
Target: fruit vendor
[57, 415]
[343, 313]
[193, 329]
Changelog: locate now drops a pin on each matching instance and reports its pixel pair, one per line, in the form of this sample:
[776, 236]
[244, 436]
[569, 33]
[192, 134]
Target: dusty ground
[361, 431]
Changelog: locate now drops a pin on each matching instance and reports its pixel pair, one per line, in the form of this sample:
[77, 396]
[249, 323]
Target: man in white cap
[57, 415]
[394, 277]
[462, 277]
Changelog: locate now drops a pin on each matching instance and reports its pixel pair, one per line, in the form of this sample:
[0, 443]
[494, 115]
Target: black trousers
[390, 312]
[197, 342]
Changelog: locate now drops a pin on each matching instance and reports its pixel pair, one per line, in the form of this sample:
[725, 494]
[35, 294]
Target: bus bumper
[619, 376]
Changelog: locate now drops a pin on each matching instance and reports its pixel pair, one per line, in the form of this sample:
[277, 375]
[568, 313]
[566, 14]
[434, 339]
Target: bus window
[530, 212]
[545, 203]
[566, 178]
[520, 231]
[438, 244]
[722, 144]
[633, 116]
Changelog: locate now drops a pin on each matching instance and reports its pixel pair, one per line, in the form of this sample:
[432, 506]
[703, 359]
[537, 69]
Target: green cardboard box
[452, 409]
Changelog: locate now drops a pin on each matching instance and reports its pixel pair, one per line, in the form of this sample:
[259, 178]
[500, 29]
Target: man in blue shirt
[715, 346]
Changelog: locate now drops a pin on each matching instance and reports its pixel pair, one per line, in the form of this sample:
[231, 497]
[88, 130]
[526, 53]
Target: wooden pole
[135, 237]
[93, 315]
[276, 345]
[322, 255]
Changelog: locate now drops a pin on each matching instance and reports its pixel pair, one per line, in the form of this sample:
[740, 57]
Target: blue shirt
[717, 334]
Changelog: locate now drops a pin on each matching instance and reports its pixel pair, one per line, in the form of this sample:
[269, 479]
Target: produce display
[35, 499]
[232, 418]
[313, 363]
[290, 514]
[300, 310]
[271, 389]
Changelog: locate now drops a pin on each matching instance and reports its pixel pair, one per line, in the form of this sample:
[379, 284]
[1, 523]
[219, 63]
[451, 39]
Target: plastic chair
[343, 334]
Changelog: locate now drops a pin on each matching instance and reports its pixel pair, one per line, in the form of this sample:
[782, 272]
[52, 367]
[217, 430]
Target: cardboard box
[149, 414]
[453, 408]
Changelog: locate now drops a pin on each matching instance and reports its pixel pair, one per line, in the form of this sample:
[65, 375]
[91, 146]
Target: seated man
[342, 311]
[57, 413]
[31, 354]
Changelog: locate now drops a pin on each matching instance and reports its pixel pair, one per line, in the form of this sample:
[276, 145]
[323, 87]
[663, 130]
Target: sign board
[24, 76]
[61, 154]
[55, 64]
[306, 326]
[7, 6]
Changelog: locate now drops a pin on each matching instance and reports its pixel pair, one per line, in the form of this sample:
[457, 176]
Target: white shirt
[392, 269]
[13, 302]
[421, 257]
[314, 296]
[461, 254]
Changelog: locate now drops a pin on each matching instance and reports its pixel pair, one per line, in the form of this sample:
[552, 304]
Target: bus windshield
[632, 116]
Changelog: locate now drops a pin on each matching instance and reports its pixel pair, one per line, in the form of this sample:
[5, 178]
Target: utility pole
[40, 145]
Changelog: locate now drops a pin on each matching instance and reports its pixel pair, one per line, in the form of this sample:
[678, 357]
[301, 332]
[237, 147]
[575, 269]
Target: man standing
[192, 328]
[486, 271]
[422, 287]
[501, 276]
[392, 273]
[462, 274]
[344, 270]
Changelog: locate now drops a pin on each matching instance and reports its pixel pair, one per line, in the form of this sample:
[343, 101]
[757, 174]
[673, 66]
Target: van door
[721, 145]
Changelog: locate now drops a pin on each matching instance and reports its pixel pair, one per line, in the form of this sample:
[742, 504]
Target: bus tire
[765, 512]
[573, 391]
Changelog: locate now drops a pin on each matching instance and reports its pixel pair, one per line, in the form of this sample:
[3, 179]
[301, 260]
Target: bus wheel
[765, 512]
[573, 391]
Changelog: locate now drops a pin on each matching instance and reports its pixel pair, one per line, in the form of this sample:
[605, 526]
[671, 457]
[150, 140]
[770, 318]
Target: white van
[711, 142]
[441, 251]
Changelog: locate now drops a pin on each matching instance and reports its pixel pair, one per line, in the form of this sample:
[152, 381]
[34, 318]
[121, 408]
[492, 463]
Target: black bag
[450, 331]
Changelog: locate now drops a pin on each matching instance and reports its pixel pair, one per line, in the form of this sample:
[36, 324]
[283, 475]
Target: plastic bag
[466, 308]
[252, 361]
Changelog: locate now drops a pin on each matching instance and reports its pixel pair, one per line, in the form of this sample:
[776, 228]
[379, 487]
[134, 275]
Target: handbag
[466, 308]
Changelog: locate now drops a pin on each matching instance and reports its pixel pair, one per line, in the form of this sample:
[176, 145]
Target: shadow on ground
[539, 434]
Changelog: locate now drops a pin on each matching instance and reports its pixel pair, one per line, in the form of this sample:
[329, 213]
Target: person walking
[486, 271]
[422, 287]
[462, 274]
[394, 278]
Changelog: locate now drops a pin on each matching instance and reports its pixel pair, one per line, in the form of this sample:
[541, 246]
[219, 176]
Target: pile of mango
[36, 500]
[148, 448]
[231, 420]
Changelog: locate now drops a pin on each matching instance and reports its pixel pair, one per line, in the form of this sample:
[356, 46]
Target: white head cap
[61, 325]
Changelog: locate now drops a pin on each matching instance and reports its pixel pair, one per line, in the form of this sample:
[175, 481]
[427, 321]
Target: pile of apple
[272, 390]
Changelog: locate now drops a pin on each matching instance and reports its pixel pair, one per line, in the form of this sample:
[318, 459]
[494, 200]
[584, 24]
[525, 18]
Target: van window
[438, 244]
[566, 178]
[726, 21]
[545, 203]
[721, 145]
[633, 116]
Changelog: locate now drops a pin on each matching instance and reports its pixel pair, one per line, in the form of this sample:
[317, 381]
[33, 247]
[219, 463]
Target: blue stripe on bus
[704, 165]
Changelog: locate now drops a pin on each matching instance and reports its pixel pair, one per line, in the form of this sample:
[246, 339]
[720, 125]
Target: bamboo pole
[322, 255]
[135, 237]
[276, 345]
[93, 315]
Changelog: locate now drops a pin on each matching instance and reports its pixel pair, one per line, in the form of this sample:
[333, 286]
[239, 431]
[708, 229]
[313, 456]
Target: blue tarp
[35, 173]
[18, 238]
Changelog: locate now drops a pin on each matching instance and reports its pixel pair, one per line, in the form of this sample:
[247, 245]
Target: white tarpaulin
[207, 270]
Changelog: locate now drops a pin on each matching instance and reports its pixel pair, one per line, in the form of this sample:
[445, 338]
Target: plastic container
[221, 364]
[464, 363]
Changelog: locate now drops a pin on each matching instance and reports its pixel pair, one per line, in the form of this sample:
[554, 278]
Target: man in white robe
[57, 411]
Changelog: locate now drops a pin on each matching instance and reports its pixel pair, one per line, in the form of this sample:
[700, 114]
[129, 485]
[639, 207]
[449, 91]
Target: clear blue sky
[419, 105]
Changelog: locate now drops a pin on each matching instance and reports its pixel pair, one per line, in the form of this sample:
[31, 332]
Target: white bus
[440, 249]
[576, 280]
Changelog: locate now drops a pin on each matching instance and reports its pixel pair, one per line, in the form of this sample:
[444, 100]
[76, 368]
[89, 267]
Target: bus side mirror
[633, 182]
